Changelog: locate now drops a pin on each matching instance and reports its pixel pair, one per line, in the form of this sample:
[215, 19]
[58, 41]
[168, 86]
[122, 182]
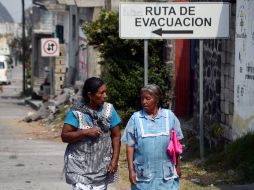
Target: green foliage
[237, 156]
[122, 63]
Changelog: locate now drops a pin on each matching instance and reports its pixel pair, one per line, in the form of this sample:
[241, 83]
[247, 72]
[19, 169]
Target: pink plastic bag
[174, 147]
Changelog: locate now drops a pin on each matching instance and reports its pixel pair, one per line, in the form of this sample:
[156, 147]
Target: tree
[18, 44]
[122, 63]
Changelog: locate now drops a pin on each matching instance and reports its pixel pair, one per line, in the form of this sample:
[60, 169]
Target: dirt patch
[36, 130]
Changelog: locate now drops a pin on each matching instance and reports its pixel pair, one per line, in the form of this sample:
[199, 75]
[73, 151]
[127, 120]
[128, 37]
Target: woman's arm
[130, 156]
[71, 134]
[178, 166]
[116, 143]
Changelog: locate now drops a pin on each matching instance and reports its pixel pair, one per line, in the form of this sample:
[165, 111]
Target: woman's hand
[130, 156]
[178, 170]
[112, 167]
[178, 166]
[71, 134]
[132, 177]
[116, 143]
[93, 132]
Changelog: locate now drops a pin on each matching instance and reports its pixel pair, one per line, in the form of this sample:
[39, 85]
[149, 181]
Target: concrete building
[62, 20]
[48, 21]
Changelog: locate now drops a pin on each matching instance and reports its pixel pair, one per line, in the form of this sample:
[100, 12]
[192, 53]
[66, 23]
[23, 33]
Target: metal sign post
[201, 97]
[145, 62]
[51, 77]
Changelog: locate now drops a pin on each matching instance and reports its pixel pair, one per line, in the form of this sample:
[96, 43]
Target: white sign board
[173, 20]
[49, 47]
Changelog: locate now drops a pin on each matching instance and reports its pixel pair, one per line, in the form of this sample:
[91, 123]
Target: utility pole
[23, 47]
[108, 5]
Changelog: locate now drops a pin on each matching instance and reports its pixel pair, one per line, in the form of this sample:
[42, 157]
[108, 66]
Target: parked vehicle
[5, 73]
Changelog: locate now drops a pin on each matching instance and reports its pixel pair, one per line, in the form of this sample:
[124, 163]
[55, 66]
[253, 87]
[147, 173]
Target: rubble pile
[51, 108]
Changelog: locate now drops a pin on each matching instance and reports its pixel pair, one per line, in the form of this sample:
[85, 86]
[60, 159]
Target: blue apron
[154, 168]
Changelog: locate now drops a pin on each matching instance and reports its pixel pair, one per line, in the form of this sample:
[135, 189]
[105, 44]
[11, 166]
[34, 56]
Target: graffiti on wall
[243, 120]
[82, 56]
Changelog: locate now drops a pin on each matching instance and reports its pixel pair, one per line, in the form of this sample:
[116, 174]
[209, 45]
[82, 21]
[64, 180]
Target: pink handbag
[174, 147]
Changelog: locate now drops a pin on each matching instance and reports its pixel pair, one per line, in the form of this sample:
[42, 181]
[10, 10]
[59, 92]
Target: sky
[15, 8]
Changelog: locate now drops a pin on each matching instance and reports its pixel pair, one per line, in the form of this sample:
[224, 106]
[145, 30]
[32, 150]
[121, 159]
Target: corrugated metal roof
[5, 15]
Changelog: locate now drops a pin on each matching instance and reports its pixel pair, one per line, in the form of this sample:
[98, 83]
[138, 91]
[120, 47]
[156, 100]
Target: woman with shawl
[91, 129]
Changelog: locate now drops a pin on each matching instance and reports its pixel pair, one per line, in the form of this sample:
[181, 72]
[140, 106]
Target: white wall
[243, 119]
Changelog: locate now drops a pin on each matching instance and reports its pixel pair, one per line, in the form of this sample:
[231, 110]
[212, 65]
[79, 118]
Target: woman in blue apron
[91, 129]
[147, 136]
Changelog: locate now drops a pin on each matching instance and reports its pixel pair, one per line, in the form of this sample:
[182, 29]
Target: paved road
[27, 164]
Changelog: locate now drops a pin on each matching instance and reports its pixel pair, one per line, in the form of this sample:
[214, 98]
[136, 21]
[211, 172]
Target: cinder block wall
[219, 61]
[227, 76]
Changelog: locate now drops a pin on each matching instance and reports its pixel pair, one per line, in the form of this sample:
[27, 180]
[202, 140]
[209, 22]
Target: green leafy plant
[122, 63]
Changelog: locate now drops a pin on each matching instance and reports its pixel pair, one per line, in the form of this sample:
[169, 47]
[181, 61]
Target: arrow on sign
[160, 31]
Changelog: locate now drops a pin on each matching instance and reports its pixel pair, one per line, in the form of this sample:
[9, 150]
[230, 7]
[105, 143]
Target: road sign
[174, 20]
[49, 47]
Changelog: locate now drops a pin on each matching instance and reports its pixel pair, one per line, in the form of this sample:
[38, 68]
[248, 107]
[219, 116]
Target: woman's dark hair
[91, 85]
